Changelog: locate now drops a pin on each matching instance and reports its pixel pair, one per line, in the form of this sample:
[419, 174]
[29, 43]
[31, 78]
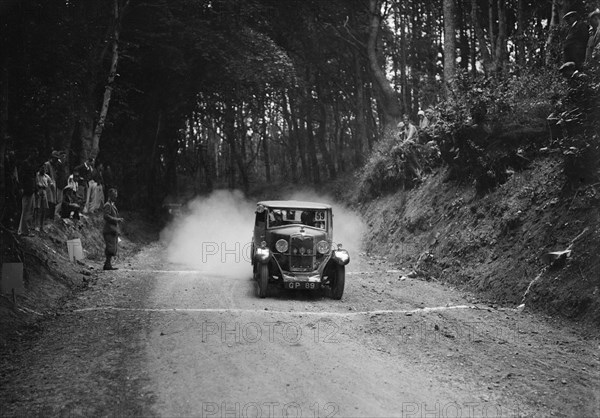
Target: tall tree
[500, 56]
[520, 35]
[477, 28]
[118, 11]
[449, 42]
[552, 41]
[387, 97]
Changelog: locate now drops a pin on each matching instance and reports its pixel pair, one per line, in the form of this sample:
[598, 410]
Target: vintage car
[293, 246]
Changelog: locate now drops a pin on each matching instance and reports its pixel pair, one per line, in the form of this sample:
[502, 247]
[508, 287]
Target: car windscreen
[308, 217]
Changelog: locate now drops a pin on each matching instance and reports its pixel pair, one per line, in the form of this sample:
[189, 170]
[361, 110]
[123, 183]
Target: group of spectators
[409, 131]
[48, 190]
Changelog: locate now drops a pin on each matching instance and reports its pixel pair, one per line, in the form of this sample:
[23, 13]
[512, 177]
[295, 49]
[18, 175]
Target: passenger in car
[275, 218]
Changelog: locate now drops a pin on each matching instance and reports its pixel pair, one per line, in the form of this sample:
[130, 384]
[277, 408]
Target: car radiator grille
[302, 253]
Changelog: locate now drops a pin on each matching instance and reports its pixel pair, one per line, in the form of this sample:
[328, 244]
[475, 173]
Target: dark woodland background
[184, 96]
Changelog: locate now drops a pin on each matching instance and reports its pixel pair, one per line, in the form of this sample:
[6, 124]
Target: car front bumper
[314, 277]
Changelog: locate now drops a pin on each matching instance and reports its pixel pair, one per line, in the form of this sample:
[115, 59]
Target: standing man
[61, 181]
[85, 171]
[43, 183]
[27, 189]
[593, 46]
[51, 167]
[111, 228]
[575, 43]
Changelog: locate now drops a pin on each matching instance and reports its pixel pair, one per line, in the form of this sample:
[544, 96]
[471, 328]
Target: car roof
[293, 204]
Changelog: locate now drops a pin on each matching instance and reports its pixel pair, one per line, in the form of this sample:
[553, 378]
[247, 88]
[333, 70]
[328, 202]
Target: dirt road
[157, 339]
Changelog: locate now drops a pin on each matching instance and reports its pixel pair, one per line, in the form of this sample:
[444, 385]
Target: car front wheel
[263, 280]
[338, 282]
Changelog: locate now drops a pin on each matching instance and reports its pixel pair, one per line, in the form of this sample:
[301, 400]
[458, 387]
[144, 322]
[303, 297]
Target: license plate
[302, 285]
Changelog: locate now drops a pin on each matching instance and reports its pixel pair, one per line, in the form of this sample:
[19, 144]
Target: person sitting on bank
[69, 205]
[431, 118]
[423, 120]
[410, 130]
[111, 230]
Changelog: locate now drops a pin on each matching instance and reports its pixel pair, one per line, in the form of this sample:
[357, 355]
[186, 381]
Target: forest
[186, 96]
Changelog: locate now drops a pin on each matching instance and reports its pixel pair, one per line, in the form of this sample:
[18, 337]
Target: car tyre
[263, 280]
[338, 283]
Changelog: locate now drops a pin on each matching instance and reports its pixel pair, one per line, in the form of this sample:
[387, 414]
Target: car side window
[261, 218]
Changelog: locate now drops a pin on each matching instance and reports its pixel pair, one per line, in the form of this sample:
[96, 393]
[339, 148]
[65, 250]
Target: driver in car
[308, 218]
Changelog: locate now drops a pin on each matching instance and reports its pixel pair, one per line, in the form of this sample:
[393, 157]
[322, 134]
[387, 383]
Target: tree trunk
[386, 94]
[170, 179]
[265, 145]
[154, 159]
[449, 43]
[118, 16]
[312, 149]
[473, 52]
[204, 161]
[501, 41]
[416, 61]
[86, 130]
[464, 39]
[483, 49]
[492, 30]
[552, 42]
[403, 63]
[361, 124]
[299, 141]
[236, 158]
[3, 124]
[322, 142]
[292, 141]
[339, 139]
[520, 38]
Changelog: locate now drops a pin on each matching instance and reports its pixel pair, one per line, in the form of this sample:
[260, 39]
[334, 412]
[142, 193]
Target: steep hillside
[498, 244]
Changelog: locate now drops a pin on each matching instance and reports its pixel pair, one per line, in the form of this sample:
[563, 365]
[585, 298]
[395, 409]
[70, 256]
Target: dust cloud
[213, 234]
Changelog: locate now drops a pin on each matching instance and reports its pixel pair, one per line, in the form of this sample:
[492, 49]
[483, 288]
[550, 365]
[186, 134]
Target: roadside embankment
[49, 277]
[499, 245]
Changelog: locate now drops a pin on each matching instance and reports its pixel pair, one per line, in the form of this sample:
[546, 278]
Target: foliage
[490, 127]
[395, 164]
[576, 126]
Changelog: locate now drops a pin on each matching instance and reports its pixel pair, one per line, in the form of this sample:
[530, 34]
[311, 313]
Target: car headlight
[262, 254]
[323, 247]
[281, 245]
[342, 257]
